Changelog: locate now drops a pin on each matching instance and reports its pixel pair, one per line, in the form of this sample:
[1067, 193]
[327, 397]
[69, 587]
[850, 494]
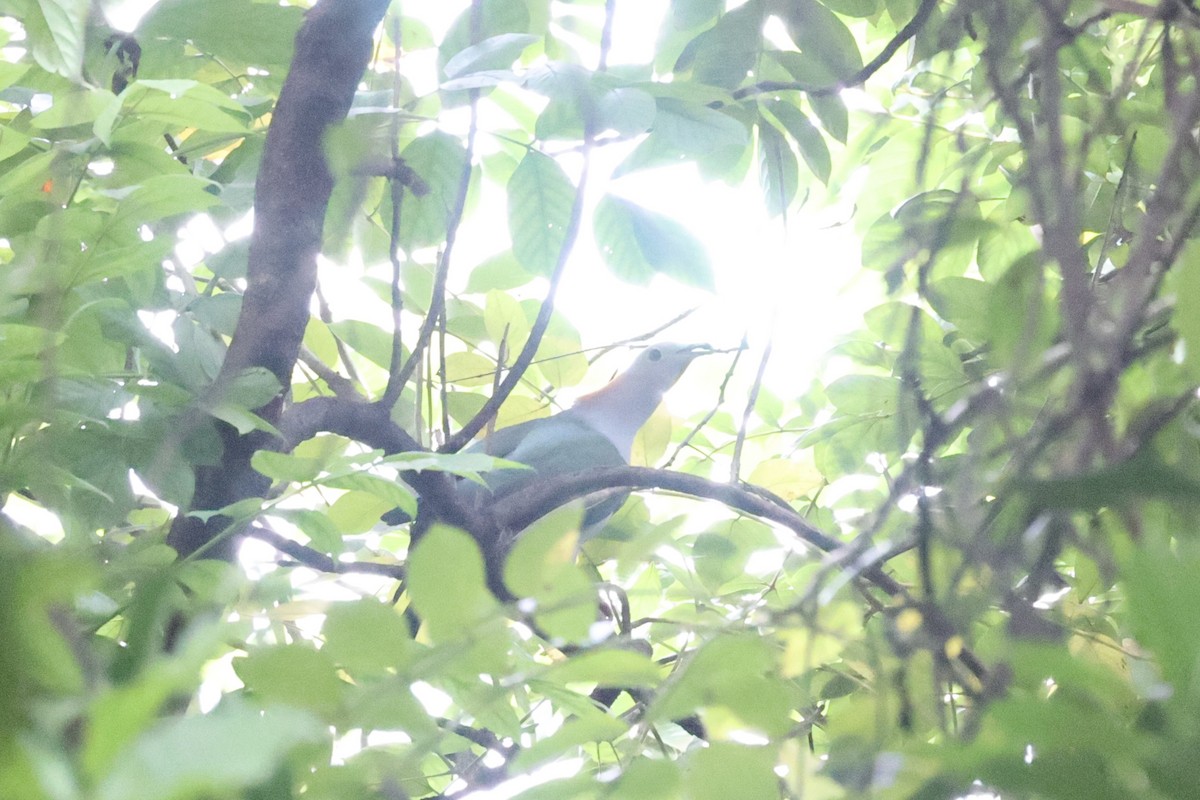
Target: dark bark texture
[290, 201]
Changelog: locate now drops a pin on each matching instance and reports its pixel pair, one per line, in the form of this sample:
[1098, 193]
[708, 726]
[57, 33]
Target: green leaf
[686, 14]
[831, 110]
[464, 465]
[470, 369]
[367, 637]
[958, 301]
[1164, 600]
[1143, 476]
[242, 748]
[358, 512]
[295, 675]
[777, 168]
[853, 8]
[638, 243]
[685, 130]
[542, 566]
[726, 54]
[502, 272]
[253, 387]
[263, 35]
[395, 493]
[80, 107]
[506, 321]
[497, 52]
[608, 667]
[11, 142]
[540, 198]
[812, 145]
[284, 466]
[1184, 282]
[870, 395]
[439, 160]
[447, 583]
[56, 30]
[366, 338]
[165, 196]
[496, 17]
[580, 730]
[724, 770]
[818, 32]
[649, 779]
[177, 103]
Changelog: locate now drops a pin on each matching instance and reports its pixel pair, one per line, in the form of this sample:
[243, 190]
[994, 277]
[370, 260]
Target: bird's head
[660, 365]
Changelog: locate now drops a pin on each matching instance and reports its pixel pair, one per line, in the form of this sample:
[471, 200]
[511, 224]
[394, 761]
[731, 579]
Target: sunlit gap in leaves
[32, 516]
[522, 783]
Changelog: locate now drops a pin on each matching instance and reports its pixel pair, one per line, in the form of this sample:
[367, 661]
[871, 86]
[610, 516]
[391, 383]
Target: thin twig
[712, 412]
[735, 468]
[858, 78]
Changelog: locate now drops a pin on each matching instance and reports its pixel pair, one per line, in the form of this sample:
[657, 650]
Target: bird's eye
[655, 354]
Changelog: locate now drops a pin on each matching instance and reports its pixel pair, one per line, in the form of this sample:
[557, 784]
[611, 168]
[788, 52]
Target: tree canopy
[960, 563]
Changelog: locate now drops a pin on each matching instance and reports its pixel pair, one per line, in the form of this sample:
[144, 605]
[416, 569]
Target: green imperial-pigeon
[598, 431]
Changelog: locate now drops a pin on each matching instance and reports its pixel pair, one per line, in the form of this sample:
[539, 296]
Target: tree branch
[291, 197]
[858, 78]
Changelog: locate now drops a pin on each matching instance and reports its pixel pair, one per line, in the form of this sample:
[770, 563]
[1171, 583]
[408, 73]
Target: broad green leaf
[958, 300]
[725, 54]
[724, 770]
[496, 17]
[608, 667]
[507, 322]
[777, 169]
[295, 675]
[819, 32]
[56, 30]
[447, 583]
[358, 512]
[367, 339]
[580, 730]
[684, 130]
[542, 566]
[367, 637]
[854, 8]
[242, 748]
[465, 465]
[395, 493]
[1184, 282]
[686, 14]
[733, 670]
[439, 160]
[253, 387]
[497, 52]
[1141, 477]
[540, 197]
[284, 466]
[165, 196]
[177, 103]
[638, 243]
[81, 107]
[470, 369]
[835, 119]
[650, 779]
[263, 35]
[325, 533]
[812, 145]
[502, 272]
[864, 394]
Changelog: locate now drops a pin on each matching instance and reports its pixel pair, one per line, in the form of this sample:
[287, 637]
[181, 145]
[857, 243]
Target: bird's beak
[697, 350]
